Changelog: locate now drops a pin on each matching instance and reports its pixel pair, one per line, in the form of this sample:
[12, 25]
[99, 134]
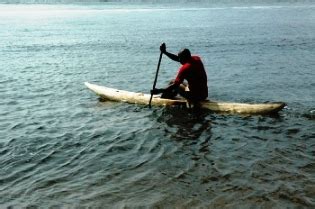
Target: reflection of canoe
[140, 98]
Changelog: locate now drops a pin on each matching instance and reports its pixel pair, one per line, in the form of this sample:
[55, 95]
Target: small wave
[310, 115]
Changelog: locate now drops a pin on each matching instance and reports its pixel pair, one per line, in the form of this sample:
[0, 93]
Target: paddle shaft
[156, 76]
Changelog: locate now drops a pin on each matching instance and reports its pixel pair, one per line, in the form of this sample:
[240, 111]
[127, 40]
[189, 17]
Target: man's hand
[163, 48]
[157, 91]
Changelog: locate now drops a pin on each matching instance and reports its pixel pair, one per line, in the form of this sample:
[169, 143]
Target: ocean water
[60, 147]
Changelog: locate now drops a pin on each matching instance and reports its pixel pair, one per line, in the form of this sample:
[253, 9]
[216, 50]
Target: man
[192, 70]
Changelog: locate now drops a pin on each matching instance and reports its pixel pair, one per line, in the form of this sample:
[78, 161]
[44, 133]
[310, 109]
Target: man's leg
[170, 95]
[181, 90]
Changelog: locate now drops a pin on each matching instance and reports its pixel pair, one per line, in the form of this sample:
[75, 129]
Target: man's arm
[170, 55]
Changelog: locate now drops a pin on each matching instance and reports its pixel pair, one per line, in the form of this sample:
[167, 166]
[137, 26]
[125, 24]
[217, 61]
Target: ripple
[310, 115]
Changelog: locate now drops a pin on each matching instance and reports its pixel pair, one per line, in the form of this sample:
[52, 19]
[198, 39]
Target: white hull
[223, 107]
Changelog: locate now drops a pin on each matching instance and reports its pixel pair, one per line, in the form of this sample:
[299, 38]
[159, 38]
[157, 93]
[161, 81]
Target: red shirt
[194, 72]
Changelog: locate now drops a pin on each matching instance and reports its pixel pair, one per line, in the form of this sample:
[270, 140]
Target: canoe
[215, 106]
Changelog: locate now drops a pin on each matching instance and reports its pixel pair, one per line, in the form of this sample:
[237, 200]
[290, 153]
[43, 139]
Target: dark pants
[181, 90]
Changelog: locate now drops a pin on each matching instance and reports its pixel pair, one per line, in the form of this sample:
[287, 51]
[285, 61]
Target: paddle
[156, 76]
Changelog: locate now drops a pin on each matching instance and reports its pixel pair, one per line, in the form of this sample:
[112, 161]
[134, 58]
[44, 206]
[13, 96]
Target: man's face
[181, 58]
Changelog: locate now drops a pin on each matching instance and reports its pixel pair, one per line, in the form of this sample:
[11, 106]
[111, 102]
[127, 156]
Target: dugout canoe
[222, 107]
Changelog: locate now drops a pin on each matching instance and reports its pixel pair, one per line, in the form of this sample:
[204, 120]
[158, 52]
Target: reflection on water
[183, 124]
[238, 170]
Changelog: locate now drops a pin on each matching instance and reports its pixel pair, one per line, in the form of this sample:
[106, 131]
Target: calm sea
[60, 147]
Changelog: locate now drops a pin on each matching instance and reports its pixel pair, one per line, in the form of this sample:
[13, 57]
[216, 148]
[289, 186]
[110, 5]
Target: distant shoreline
[230, 2]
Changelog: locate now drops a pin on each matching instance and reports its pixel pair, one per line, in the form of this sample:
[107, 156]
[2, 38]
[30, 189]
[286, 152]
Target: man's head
[184, 55]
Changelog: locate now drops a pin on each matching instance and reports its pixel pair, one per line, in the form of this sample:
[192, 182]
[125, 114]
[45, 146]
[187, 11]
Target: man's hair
[184, 54]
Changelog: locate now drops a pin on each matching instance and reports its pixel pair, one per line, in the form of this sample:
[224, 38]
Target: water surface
[62, 148]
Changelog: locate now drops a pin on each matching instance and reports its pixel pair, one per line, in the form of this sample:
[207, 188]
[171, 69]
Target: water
[62, 148]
